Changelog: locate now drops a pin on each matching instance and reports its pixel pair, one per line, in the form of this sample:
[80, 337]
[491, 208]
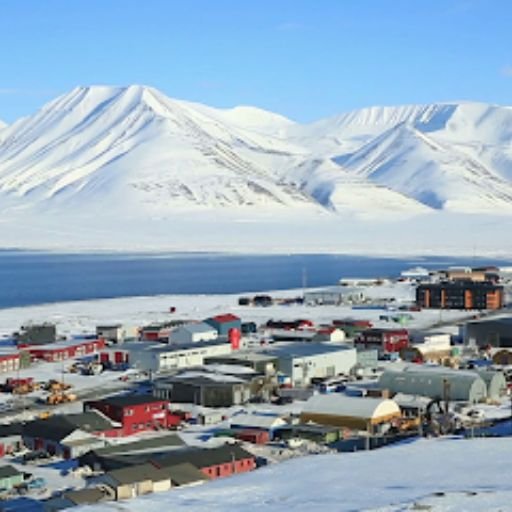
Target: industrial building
[304, 361]
[224, 323]
[117, 333]
[492, 332]
[350, 412]
[333, 296]
[202, 388]
[158, 357]
[436, 383]
[385, 341]
[495, 382]
[460, 295]
[259, 362]
[193, 333]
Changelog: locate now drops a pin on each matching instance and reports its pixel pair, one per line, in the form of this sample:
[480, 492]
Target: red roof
[224, 319]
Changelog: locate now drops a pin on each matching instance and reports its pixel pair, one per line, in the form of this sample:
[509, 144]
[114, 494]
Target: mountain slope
[2, 125]
[136, 143]
[434, 173]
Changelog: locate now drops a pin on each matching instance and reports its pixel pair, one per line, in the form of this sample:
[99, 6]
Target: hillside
[434, 475]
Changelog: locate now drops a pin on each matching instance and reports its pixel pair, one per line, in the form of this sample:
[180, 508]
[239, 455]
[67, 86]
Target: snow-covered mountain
[134, 153]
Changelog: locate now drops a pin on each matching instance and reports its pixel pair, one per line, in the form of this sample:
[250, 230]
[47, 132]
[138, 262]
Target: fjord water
[34, 278]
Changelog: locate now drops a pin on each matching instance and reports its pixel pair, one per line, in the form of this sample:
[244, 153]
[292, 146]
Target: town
[125, 408]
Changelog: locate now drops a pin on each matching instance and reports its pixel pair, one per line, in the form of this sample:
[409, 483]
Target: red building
[66, 350]
[386, 341]
[9, 361]
[215, 463]
[136, 413]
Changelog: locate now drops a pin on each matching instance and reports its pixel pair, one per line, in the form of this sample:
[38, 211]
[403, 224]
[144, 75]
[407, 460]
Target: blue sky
[306, 59]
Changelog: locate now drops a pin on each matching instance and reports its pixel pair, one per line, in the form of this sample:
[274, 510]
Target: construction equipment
[20, 386]
[57, 398]
[55, 385]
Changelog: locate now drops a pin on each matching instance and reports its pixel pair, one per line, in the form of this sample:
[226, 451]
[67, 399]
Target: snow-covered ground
[81, 317]
[438, 475]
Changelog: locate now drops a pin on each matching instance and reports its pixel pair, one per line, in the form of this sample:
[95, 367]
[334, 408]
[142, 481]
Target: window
[128, 412]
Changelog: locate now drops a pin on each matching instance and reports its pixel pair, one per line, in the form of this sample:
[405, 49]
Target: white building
[156, 357]
[304, 361]
[193, 333]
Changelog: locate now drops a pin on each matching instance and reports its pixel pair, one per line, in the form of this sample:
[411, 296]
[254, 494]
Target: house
[193, 333]
[350, 412]
[305, 361]
[253, 436]
[203, 388]
[157, 357]
[10, 477]
[224, 323]
[9, 361]
[135, 413]
[69, 435]
[386, 341]
[11, 440]
[63, 350]
[70, 499]
[435, 382]
[212, 462]
[464, 294]
[134, 481]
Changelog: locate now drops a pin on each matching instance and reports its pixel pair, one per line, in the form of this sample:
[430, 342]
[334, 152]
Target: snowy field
[81, 317]
[438, 475]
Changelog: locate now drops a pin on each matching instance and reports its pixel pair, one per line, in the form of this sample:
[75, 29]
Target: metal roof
[307, 349]
[8, 471]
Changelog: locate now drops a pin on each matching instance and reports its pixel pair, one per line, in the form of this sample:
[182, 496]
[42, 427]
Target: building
[135, 413]
[258, 361]
[431, 347]
[305, 361]
[333, 296]
[495, 382]
[489, 332]
[68, 436]
[355, 413]
[224, 323]
[134, 481]
[214, 463]
[264, 422]
[159, 357]
[11, 440]
[385, 341]
[460, 295]
[203, 388]
[70, 499]
[351, 327]
[437, 383]
[10, 477]
[320, 434]
[117, 333]
[9, 361]
[193, 333]
[61, 351]
[36, 334]
[185, 474]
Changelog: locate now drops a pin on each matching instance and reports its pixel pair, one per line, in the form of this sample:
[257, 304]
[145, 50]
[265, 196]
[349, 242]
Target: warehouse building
[259, 362]
[436, 383]
[493, 332]
[495, 382]
[460, 295]
[193, 333]
[202, 388]
[158, 357]
[333, 296]
[356, 413]
[224, 323]
[304, 361]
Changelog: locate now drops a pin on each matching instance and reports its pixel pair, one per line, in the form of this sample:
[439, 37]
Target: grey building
[333, 296]
[495, 382]
[260, 362]
[435, 383]
[304, 361]
[201, 388]
[36, 334]
[496, 332]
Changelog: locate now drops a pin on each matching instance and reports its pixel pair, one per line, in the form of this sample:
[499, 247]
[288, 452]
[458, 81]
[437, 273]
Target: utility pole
[304, 281]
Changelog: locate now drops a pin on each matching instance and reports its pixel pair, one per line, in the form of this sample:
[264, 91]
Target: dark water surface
[34, 278]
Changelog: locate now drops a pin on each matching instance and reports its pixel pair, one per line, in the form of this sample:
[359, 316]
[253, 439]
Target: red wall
[227, 469]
